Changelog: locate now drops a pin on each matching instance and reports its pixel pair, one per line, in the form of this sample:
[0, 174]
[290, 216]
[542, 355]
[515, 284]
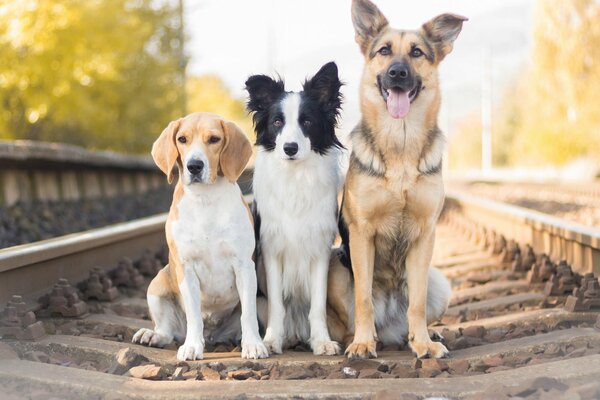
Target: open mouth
[397, 99]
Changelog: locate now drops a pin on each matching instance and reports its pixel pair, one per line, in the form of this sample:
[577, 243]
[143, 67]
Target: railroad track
[520, 324]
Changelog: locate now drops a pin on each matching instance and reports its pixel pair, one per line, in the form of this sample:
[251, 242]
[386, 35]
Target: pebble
[369, 373]
[401, 371]
[126, 359]
[7, 352]
[37, 356]
[359, 364]
[150, 371]
[429, 372]
[476, 331]
[209, 374]
[433, 363]
[178, 373]
[349, 372]
[217, 366]
[240, 374]
[458, 366]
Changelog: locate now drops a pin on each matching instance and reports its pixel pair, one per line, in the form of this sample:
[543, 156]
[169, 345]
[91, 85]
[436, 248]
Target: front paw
[428, 349]
[191, 350]
[274, 343]
[254, 349]
[150, 338]
[325, 347]
[362, 350]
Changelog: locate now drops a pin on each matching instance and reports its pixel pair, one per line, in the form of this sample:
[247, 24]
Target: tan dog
[393, 192]
[210, 236]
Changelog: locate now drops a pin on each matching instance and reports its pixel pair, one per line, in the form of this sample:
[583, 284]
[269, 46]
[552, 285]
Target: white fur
[297, 203]
[291, 132]
[215, 242]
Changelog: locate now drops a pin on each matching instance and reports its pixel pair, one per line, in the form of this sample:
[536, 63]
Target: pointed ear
[164, 150]
[263, 92]
[443, 31]
[368, 21]
[325, 86]
[236, 151]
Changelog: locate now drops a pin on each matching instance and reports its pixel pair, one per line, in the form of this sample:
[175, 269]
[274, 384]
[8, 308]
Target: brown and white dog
[210, 236]
[393, 192]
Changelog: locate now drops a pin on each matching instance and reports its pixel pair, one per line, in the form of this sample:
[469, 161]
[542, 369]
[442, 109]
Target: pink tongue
[398, 103]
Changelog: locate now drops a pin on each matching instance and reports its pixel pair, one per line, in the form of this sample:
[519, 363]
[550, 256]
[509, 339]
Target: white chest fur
[213, 235]
[297, 203]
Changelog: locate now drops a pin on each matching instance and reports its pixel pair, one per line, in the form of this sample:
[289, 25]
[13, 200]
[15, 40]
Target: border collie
[297, 177]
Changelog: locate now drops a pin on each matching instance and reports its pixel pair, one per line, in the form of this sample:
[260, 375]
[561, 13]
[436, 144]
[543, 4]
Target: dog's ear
[443, 31]
[368, 22]
[263, 91]
[325, 87]
[236, 151]
[164, 150]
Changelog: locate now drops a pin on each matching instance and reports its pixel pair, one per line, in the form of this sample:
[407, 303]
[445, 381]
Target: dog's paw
[254, 349]
[150, 338]
[428, 349]
[325, 347]
[273, 343]
[191, 350]
[362, 350]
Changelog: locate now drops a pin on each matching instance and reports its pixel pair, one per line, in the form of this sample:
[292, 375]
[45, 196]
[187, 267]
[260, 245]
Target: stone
[359, 364]
[37, 356]
[7, 352]
[401, 371]
[434, 363]
[369, 373]
[240, 374]
[349, 372]
[458, 367]
[429, 372]
[126, 359]
[149, 371]
[190, 375]
[476, 331]
[217, 366]
[178, 373]
[209, 374]
[417, 363]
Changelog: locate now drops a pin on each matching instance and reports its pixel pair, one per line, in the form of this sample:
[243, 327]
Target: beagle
[208, 289]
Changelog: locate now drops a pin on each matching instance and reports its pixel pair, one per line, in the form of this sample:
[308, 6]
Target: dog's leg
[169, 321]
[417, 271]
[274, 334]
[252, 346]
[193, 347]
[362, 252]
[320, 341]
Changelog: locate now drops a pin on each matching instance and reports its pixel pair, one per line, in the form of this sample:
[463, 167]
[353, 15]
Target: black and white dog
[297, 177]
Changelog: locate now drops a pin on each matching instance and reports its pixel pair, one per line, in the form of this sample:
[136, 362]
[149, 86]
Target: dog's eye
[416, 52]
[385, 51]
[306, 123]
[182, 139]
[278, 123]
[213, 139]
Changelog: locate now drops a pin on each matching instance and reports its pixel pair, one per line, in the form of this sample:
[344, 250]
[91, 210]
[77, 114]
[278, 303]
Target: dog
[381, 286]
[209, 232]
[297, 178]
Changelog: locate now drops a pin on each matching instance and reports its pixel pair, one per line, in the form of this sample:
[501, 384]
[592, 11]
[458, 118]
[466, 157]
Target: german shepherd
[393, 193]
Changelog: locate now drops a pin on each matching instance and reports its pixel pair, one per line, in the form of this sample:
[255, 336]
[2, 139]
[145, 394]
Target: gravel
[29, 222]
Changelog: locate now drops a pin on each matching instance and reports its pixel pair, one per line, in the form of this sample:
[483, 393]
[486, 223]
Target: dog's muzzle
[195, 169]
[399, 88]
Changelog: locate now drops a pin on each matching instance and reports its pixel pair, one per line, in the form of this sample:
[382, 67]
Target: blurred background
[521, 88]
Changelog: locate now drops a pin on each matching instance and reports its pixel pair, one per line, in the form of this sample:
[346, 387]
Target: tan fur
[391, 211]
[227, 157]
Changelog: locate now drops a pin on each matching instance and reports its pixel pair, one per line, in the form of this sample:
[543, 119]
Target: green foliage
[98, 73]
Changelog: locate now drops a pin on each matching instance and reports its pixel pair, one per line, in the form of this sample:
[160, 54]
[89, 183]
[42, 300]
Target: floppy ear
[236, 151]
[443, 31]
[368, 21]
[164, 150]
[263, 92]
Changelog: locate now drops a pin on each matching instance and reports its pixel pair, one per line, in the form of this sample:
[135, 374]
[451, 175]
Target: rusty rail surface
[579, 245]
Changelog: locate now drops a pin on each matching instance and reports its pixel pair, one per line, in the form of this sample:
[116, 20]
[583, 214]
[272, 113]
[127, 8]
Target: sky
[237, 38]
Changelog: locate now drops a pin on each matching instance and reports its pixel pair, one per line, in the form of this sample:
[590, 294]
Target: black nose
[398, 70]
[290, 148]
[195, 166]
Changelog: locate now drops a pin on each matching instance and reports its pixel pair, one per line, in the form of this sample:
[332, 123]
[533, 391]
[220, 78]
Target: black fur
[320, 104]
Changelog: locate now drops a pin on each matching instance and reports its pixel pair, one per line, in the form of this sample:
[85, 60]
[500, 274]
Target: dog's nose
[398, 70]
[290, 148]
[195, 166]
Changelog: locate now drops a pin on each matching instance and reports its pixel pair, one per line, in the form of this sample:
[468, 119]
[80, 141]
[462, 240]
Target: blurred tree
[560, 119]
[208, 93]
[464, 146]
[98, 73]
